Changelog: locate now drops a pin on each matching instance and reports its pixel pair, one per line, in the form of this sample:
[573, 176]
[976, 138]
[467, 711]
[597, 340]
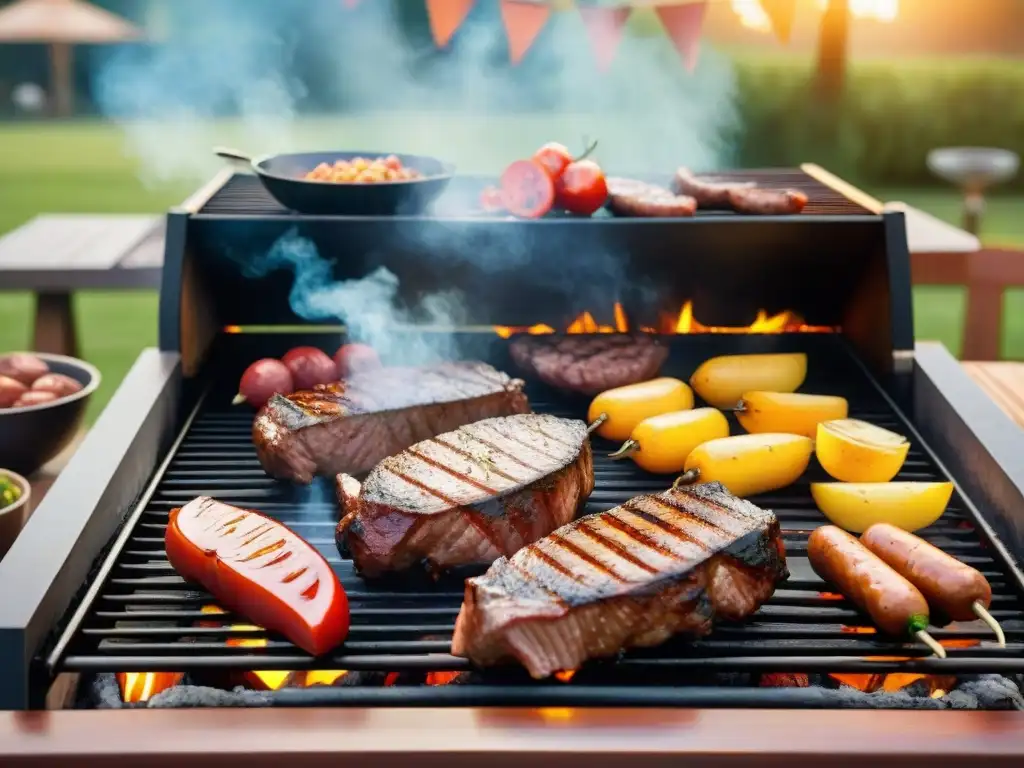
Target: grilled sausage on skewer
[956, 589]
[767, 201]
[893, 603]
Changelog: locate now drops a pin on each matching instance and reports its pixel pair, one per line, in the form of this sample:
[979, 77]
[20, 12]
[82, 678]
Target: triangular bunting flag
[446, 16]
[781, 13]
[523, 22]
[683, 23]
[604, 28]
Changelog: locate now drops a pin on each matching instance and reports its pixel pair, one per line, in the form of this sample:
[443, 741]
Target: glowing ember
[858, 630]
[669, 324]
[565, 675]
[141, 686]
[441, 678]
[784, 680]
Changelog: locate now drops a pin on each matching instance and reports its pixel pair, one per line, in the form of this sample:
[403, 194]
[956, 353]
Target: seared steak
[589, 364]
[351, 425]
[633, 576]
[469, 496]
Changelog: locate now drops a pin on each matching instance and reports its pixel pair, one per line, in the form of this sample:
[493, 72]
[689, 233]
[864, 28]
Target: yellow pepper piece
[856, 507]
[722, 381]
[625, 407]
[750, 464]
[789, 412]
[662, 443]
[855, 451]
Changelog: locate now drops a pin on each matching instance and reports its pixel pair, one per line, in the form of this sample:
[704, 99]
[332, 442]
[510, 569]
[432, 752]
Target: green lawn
[84, 167]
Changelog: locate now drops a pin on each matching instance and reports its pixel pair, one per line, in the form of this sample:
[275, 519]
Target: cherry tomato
[582, 188]
[34, 397]
[353, 358]
[10, 391]
[23, 367]
[58, 383]
[262, 379]
[490, 200]
[260, 569]
[310, 366]
[527, 189]
[554, 157]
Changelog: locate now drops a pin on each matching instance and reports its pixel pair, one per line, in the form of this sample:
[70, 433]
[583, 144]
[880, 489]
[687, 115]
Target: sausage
[892, 602]
[949, 586]
[767, 201]
[708, 194]
[628, 197]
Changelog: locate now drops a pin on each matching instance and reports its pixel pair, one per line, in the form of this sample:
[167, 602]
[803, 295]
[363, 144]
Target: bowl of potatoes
[42, 404]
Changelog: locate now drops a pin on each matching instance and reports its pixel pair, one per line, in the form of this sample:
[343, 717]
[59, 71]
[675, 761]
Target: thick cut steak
[351, 425]
[589, 364]
[468, 496]
[633, 576]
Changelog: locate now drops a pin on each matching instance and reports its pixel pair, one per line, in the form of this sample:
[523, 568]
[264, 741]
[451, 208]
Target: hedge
[891, 114]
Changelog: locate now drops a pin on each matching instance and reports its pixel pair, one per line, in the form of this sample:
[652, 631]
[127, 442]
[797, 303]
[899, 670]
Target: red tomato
[527, 189]
[260, 569]
[262, 379]
[310, 366]
[554, 157]
[353, 358]
[490, 200]
[582, 189]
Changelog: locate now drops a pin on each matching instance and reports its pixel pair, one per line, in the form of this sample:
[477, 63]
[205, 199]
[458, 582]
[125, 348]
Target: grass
[86, 167]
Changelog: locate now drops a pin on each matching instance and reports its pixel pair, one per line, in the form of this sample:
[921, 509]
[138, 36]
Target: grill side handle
[52, 558]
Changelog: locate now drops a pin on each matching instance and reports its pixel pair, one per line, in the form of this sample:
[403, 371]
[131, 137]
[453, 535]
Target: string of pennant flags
[605, 23]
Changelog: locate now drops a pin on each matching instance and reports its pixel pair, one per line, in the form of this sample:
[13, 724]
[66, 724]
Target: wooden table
[1003, 382]
[54, 255]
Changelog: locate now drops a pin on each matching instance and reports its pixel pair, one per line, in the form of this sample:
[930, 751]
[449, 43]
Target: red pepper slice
[260, 569]
[527, 189]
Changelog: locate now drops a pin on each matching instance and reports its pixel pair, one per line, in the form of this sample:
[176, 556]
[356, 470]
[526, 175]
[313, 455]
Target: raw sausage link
[767, 201]
[949, 585]
[895, 605]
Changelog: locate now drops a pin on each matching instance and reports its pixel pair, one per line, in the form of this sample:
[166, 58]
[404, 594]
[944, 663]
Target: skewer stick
[931, 642]
[984, 615]
[628, 449]
[597, 423]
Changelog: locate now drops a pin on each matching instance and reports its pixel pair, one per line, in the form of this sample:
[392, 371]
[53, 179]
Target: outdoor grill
[87, 593]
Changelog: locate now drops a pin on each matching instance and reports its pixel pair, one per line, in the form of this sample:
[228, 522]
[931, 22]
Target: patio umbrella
[60, 24]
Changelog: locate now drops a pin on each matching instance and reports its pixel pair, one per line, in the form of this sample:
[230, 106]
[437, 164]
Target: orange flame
[565, 675]
[141, 686]
[669, 324]
[441, 678]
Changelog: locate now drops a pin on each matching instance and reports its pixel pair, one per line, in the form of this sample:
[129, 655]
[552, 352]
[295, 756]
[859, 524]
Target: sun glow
[751, 13]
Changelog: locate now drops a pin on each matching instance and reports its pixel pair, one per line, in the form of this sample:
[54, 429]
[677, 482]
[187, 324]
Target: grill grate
[244, 195]
[144, 617]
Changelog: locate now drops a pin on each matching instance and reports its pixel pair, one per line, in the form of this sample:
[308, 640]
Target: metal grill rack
[141, 616]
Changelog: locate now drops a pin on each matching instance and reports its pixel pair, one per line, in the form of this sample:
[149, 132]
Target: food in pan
[349, 426]
[263, 379]
[10, 491]
[309, 367]
[625, 407]
[10, 391]
[855, 451]
[257, 567]
[353, 358]
[763, 202]
[363, 170]
[23, 367]
[527, 189]
[35, 397]
[857, 506]
[629, 197]
[722, 381]
[788, 412]
[57, 383]
[662, 443]
[892, 602]
[956, 590]
[749, 464]
[468, 496]
[657, 566]
[710, 195]
[589, 364]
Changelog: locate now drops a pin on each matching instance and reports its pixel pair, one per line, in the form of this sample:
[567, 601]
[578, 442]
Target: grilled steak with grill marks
[468, 496]
[633, 576]
[589, 364]
[351, 425]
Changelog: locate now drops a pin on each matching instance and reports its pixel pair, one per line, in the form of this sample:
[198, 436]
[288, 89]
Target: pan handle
[232, 154]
